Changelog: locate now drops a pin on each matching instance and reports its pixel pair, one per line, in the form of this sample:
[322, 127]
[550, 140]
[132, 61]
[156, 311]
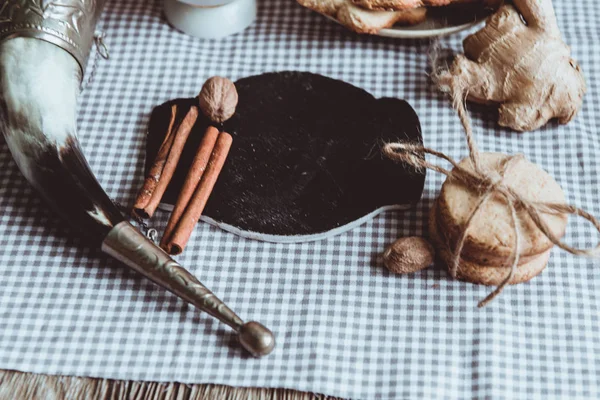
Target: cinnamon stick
[156, 169]
[190, 217]
[203, 154]
[179, 139]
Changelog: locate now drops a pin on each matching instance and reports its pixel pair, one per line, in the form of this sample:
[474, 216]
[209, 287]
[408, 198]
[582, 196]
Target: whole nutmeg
[218, 99]
[408, 255]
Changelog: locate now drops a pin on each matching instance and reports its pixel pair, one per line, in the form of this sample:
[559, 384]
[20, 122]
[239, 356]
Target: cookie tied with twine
[489, 271]
[490, 238]
[528, 202]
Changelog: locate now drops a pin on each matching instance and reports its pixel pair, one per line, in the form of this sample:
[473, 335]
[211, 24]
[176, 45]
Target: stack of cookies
[370, 16]
[486, 257]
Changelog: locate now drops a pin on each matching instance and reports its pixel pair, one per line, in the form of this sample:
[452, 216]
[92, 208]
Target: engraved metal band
[128, 245]
[68, 24]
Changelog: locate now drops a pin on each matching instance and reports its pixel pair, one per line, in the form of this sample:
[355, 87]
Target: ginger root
[519, 62]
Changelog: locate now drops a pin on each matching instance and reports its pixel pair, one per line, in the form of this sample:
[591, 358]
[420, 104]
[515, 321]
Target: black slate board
[306, 156]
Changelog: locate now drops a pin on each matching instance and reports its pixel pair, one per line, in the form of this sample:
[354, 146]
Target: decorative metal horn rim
[48, 22]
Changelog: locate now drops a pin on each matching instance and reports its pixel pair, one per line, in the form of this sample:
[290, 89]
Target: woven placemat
[16, 385]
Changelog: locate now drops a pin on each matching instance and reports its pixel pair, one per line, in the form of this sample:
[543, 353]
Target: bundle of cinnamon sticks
[199, 183]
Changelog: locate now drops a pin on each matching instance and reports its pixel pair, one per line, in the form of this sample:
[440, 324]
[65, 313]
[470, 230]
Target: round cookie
[371, 22]
[363, 20]
[477, 258]
[493, 276]
[491, 235]
[410, 4]
[484, 274]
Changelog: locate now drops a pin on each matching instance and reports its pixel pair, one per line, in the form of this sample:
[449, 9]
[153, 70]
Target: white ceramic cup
[210, 19]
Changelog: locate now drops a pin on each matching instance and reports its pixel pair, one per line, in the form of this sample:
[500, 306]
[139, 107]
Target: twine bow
[486, 183]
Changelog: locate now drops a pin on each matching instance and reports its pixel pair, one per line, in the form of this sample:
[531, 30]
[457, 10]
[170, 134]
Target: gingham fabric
[344, 325]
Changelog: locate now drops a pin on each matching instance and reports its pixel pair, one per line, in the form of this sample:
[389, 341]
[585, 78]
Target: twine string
[487, 184]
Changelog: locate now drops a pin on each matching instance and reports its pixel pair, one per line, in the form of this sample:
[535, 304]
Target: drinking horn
[44, 46]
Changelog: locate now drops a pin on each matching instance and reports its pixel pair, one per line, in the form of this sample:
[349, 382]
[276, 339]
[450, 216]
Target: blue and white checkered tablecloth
[344, 325]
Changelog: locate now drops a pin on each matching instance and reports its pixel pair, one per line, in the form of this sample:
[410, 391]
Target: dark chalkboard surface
[306, 158]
